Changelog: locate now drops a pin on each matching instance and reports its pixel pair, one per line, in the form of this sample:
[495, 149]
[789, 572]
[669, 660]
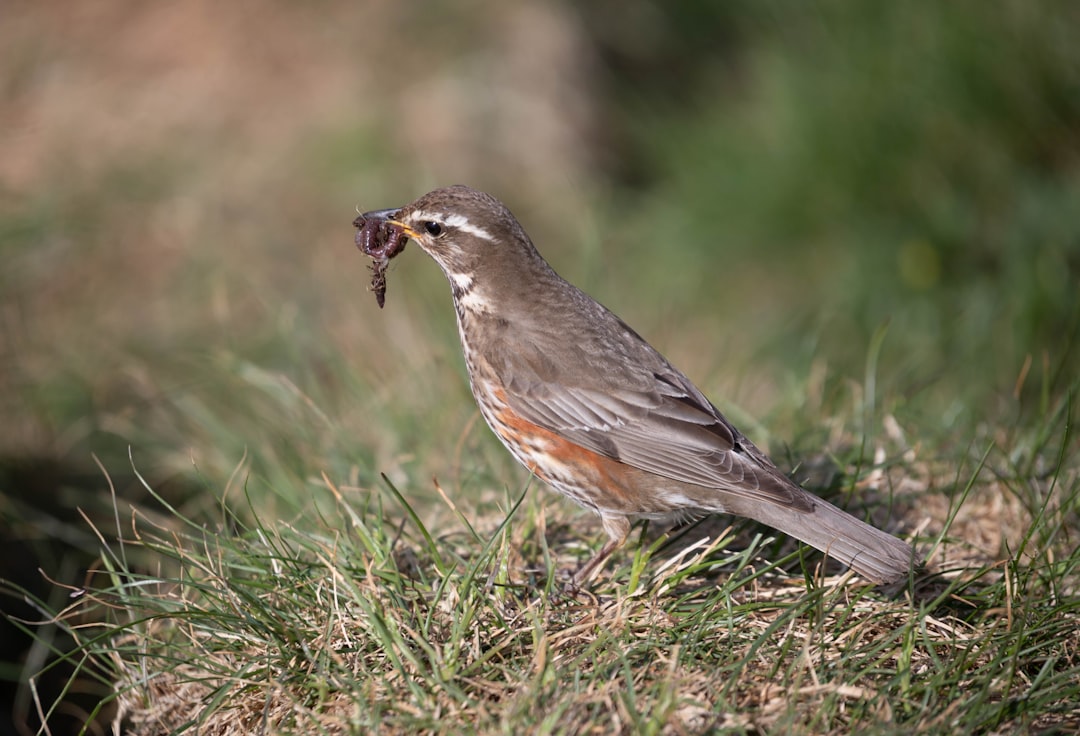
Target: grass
[378, 625]
[358, 616]
[239, 498]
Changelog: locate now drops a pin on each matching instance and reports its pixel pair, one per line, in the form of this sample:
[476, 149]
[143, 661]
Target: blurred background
[823, 212]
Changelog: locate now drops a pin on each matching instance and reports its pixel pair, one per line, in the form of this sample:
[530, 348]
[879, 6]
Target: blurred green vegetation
[837, 167]
[775, 183]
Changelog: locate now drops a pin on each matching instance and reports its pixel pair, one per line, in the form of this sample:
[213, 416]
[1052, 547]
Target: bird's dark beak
[388, 216]
[380, 215]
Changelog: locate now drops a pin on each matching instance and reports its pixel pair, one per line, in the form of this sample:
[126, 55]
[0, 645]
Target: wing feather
[663, 425]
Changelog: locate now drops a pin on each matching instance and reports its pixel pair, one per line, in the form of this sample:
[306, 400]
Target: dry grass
[361, 615]
[383, 624]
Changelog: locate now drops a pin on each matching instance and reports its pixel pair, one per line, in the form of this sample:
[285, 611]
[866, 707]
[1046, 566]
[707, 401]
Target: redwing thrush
[589, 407]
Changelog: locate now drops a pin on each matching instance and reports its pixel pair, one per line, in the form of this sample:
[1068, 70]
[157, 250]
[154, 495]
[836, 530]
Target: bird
[592, 409]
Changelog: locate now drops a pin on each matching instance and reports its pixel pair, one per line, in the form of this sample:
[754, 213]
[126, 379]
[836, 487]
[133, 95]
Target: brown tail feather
[872, 553]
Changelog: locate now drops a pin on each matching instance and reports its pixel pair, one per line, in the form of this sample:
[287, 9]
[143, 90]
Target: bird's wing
[658, 422]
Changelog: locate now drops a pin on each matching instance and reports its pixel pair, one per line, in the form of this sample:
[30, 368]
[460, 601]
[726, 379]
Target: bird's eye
[433, 228]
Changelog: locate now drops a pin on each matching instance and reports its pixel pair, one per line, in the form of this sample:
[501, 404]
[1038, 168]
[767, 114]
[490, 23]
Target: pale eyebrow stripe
[455, 220]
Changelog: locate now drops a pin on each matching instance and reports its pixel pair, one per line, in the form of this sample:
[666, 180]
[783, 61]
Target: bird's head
[473, 237]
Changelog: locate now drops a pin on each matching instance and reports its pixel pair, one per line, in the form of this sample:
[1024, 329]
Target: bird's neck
[517, 288]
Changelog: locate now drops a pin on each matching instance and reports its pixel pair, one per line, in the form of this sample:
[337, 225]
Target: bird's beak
[381, 214]
[389, 216]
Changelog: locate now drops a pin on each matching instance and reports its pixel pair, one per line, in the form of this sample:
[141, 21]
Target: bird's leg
[618, 529]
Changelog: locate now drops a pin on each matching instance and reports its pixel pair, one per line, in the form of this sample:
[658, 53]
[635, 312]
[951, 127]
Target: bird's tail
[872, 553]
